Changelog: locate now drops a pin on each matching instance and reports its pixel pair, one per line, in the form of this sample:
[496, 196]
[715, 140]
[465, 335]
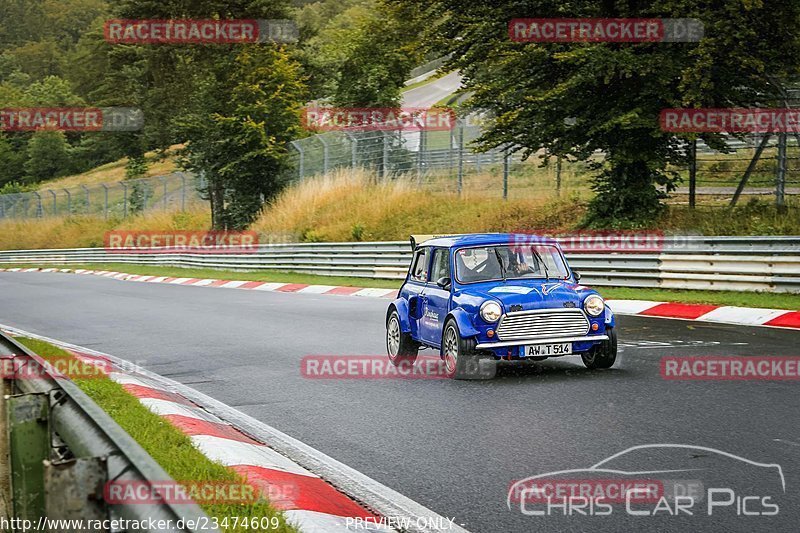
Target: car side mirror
[444, 282]
[577, 275]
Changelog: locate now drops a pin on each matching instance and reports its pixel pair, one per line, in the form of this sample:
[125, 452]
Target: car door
[417, 278]
[436, 299]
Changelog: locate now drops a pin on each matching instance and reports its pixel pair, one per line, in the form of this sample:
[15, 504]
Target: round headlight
[594, 305]
[491, 311]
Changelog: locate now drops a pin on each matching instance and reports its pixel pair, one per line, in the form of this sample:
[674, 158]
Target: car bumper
[548, 340]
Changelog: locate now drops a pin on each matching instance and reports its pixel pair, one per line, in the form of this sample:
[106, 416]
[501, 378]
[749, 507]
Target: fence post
[39, 210]
[55, 200]
[780, 172]
[69, 201]
[124, 199]
[423, 141]
[353, 149]
[385, 168]
[164, 182]
[183, 191]
[506, 165]
[692, 174]
[301, 161]
[85, 188]
[460, 126]
[105, 200]
[558, 176]
[2, 206]
[325, 154]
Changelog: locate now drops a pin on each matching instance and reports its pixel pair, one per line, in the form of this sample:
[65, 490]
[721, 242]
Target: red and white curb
[744, 316]
[300, 288]
[307, 499]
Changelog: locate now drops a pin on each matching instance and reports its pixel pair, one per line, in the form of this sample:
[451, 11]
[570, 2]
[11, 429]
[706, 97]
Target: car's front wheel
[461, 360]
[400, 346]
[602, 355]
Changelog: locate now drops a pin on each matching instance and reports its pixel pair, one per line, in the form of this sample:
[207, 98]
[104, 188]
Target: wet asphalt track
[452, 446]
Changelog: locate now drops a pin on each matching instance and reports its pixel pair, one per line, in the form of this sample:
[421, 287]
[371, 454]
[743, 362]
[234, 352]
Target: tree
[239, 134]
[48, 156]
[573, 99]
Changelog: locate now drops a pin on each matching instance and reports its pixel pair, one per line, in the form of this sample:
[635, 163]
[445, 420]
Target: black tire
[602, 355]
[461, 360]
[400, 347]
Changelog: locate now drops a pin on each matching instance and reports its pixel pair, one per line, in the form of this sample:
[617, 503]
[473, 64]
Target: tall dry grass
[353, 205]
[88, 231]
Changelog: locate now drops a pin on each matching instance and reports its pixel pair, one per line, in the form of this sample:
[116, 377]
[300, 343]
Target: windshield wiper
[544, 265]
[502, 266]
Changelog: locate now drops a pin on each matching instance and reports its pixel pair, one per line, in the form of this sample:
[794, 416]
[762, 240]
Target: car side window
[419, 268]
[441, 264]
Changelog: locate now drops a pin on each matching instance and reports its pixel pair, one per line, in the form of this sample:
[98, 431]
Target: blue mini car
[481, 298]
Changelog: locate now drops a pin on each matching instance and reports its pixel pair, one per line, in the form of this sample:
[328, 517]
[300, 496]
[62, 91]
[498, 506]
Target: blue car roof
[478, 239]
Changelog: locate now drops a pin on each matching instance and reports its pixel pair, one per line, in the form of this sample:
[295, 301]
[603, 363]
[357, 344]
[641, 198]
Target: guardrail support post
[74, 489]
[29, 447]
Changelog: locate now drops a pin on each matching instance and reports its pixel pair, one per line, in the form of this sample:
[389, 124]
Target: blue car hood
[531, 293]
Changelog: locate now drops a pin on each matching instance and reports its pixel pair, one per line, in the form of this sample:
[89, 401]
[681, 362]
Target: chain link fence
[447, 161]
[439, 161]
[176, 191]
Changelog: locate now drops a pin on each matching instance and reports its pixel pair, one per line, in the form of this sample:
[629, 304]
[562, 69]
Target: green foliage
[48, 156]
[357, 52]
[239, 132]
[612, 93]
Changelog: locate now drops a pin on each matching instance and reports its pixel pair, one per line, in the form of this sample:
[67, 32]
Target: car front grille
[549, 323]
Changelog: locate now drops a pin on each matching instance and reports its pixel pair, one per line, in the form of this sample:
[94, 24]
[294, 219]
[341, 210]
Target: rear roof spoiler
[416, 240]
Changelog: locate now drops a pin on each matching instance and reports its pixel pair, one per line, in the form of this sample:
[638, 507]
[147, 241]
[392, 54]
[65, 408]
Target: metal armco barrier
[685, 262]
[64, 448]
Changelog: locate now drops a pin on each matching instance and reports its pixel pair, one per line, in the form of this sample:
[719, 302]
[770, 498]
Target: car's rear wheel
[461, 360]
[602, 355]
[400, 346]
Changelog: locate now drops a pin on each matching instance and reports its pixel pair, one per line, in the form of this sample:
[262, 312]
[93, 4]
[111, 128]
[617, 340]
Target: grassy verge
[741, 299]
[167, 445]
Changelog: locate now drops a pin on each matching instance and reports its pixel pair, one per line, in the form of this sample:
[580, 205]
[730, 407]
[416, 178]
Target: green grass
[166, 444]
[741, 299]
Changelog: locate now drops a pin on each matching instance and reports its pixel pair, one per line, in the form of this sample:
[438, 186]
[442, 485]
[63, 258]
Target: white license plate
[548, 350]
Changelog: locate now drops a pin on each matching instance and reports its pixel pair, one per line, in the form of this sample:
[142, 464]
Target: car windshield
[488, 263]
